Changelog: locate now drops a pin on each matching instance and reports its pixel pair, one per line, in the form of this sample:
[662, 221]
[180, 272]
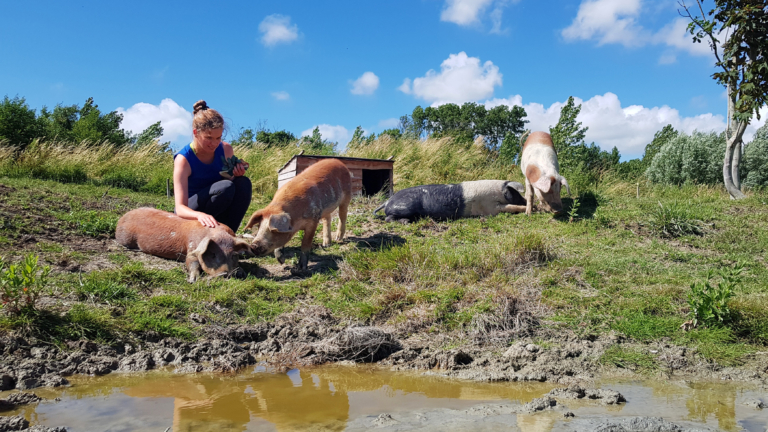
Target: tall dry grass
[147, 168]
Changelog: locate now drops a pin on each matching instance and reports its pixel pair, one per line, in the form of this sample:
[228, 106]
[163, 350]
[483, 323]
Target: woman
[200, 191]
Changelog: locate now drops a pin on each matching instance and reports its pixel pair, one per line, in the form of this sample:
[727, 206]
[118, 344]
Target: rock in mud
[604, 396]
[384, 420]
[139, 362]
[39, 428]
[15, 423]
[631, 424]
[22, 399]
[7, 382]
[98, 366]
[539, 404]
[756, 404]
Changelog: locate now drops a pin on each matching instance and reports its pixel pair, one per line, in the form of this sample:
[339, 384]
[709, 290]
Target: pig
[300, 204]
[160, 233]
[539, 165]
[453, 201]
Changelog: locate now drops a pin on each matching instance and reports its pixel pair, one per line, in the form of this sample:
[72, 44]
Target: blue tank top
[203, 175]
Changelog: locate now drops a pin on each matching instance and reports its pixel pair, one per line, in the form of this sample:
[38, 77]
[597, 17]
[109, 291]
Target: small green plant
[93, 223]
[673, 221]
[21, 284]
[709, 303]
[574, 210]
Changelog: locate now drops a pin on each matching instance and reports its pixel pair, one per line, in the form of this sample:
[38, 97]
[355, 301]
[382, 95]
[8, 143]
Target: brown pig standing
[299, 205]
[541, 170]
[163, 234]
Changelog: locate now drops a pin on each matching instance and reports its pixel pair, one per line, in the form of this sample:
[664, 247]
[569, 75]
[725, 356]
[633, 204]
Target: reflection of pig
[300, 205]
[453, 201]
[539, 165]
[163, 234]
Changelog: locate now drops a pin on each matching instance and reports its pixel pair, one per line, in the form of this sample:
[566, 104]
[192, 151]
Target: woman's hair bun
[199, 106]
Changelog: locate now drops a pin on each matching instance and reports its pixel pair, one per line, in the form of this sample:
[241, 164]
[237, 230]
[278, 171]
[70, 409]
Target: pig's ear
[243, 246]
[543, 184]
[565, 182]
[201, 248]
[254, 221]
[280, 222]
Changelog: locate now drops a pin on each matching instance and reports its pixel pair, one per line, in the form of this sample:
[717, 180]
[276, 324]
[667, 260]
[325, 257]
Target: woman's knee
[243, 186]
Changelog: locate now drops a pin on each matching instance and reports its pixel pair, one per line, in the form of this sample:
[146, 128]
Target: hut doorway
[375, 181]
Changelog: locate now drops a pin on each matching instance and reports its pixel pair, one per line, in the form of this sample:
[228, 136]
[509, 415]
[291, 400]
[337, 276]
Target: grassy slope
[607, 270]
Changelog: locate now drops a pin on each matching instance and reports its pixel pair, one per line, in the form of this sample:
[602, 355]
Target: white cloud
[281, 95]
[366, 84]
[389, 123]
[609, 21]
[616, 22]
[338, 134]
[277, 29]
[461, 79]
[175, 120]
[463, 12]
[675, 35]
[627, 128]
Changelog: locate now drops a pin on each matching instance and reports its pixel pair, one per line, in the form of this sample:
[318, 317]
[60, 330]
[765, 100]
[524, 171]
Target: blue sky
[296, 65]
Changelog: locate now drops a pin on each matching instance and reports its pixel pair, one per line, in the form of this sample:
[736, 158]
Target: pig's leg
[327, 230]
[306, 245]
[528, 197]
[341, 230]
[511, 208]
[193, 270]
[279, 255]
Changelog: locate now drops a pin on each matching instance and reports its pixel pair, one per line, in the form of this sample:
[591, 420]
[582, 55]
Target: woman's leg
[233, 215]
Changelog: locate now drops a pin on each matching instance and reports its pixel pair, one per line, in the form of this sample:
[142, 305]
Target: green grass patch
[632, 358]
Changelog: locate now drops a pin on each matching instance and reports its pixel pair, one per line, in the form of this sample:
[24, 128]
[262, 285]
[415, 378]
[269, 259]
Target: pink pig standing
[541, 170]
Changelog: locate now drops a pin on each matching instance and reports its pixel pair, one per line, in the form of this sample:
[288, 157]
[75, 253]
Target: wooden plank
[286, 175]
[306, 161]
[357, 174]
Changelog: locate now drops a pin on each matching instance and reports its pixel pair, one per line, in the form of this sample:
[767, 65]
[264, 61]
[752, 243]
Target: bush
[755, 160]
[21, 284]
[695, 158]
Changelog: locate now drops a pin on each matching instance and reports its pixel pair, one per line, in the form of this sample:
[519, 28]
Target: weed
[573, 211]
[22, 283]
[709, 304]
[674, 220]
[93, 223]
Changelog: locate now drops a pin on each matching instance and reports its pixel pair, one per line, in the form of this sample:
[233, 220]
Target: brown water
[338, 398]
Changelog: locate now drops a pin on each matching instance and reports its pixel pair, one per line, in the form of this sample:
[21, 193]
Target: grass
[616, 263]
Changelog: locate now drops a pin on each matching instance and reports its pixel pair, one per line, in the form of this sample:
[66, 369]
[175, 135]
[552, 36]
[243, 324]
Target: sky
[294, 65]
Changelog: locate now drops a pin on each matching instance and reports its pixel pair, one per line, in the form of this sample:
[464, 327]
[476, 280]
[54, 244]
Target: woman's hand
[207, 220]
[239, 169]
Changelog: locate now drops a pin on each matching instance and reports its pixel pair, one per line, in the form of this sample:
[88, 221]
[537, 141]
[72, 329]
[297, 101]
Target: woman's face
[209, 139]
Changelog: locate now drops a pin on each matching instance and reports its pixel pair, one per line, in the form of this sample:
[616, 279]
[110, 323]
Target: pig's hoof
[303, 261]
[279, 256]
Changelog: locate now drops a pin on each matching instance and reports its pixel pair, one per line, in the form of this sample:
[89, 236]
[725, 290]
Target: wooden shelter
[369, 176]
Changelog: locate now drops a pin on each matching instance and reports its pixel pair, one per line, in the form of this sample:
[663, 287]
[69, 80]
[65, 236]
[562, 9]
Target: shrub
[755, 160]
[695, 158]
[21, 284]
[708, 303]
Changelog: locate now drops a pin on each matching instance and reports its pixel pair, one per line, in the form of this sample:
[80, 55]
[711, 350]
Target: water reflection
[327, 398]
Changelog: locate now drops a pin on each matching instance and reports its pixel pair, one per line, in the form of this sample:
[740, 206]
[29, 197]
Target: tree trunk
[733, 132]
[732, 159]
[738, 152]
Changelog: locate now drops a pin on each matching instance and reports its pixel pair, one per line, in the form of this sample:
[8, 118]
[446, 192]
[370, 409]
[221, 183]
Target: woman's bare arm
[181, 173]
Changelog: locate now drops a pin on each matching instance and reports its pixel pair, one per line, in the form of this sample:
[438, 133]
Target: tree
[151, 135]
[688, 159]
[501, 122]
[18, 122]
[666, 134]
[75, 124]
[567, 134]
[742, 63]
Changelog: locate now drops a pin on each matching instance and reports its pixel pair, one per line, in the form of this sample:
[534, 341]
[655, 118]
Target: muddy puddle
[365, 398]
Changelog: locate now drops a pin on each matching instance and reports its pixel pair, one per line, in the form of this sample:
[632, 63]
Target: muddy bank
[312, 336]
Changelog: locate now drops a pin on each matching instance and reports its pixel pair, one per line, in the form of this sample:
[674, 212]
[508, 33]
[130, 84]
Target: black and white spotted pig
[453, 201]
